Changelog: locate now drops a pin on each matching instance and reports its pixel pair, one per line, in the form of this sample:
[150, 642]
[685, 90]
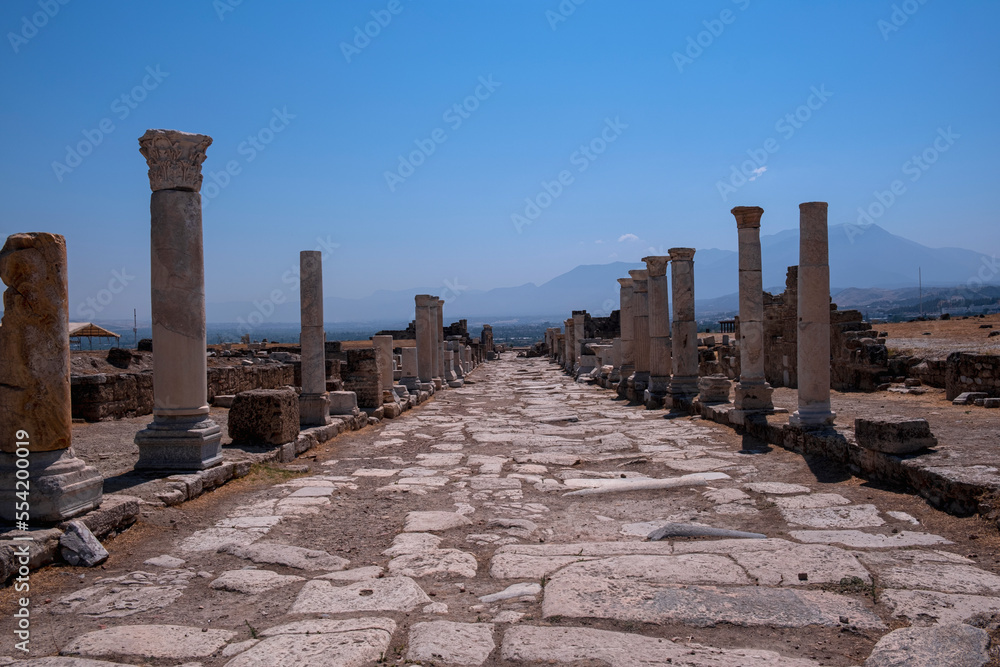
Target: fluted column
[35, 405]
[181, 435]
[627, 366]
[659, 326]
[752, 392]
[426, 342]
[814, 318]
[684, 344]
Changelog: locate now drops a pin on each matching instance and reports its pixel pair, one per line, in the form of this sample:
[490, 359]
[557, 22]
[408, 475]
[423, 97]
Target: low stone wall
[972, 372]
[119, 395]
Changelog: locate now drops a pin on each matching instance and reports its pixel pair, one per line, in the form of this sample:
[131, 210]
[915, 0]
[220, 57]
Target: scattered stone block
[252, 582]
[165, 642]
[289, 556]
[991, 402]
[894, 435]
[223, 400]
[78, 546]
[513, 591]
[264, 417]
[956, 645]
[714, 389]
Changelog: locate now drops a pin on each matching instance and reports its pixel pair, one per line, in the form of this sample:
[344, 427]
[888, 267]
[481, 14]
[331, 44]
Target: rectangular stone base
[812, 419]
[314, 409]
[343, 402]
[438, 383]
[173, 443]
[753, 396]
[61, 486]
[427, 387]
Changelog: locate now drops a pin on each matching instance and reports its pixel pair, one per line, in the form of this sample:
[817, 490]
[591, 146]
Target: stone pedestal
[627, 359]
[314, 403]
[753, 393]
[640, 335]
[658, 297]
[410, 378]
[426, 341]
[814, 319]
[181, 436]
[684, 379]
[35, 406]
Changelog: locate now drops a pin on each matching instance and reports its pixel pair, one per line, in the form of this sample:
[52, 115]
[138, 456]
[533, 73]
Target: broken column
[814, 318]
[640, 335]
[181, 435]
[659, 329]
[684, 344]
[569, 358]
[426, 341]
[35, 386]
[579, 333]
[627, 358]
[314, 403]
[752, 392]
[383, 348]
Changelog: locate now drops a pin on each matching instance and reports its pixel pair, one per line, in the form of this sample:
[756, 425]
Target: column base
[427, 387]
[61, 486]
[455, 384]
[313, 409]
[438, 383]
[805, 419]
[653, 401]
[753, 396]
[683, 387]
[179, 443]
[411, 383]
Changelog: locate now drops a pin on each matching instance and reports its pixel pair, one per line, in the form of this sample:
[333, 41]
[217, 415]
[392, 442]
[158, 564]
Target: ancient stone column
[383, 347]
[627, 363]
[181, 435]
[659, 327]
[684, 345]
[455, 345]
[579, 333]
[411, 377]
[752, 392]
[570, 345]
[814, 318]
[35, 407]
[439, 333]
[426, 341]
[640, 334]
[314, 402]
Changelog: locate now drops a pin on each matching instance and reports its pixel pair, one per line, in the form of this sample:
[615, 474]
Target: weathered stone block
[894, 435]
[343, 403]
[264, 417]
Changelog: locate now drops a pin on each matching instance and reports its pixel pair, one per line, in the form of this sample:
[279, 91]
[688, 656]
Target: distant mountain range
[860, 259]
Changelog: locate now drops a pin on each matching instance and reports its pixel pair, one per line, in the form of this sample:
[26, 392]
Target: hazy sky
[488, 144]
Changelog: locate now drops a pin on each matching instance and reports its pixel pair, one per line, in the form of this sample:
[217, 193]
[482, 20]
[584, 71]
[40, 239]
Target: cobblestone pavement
[505, 523]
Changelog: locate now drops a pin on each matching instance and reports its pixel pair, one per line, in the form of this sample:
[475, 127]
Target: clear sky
[416, 154]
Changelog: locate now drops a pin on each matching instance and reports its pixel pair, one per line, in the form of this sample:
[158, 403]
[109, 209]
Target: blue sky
[641, 109]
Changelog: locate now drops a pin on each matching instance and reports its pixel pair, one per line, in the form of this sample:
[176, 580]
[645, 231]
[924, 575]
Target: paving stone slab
[943, 577]
[928, 607]
[811, 501]
[682, 569]
[388, 594]
[252, 582]
[355, 648]
[801, 565]
[585, 646]
[449, 562]
[168, 642]
[412, 543]
[287, 555]
[356, 574]
[848, 516]
[859, 540]
[955, 645]
[513, 591]
[451, 643]
[777, 488]
[424, 522]
[64, 661]
[164, 561]
[211, 539]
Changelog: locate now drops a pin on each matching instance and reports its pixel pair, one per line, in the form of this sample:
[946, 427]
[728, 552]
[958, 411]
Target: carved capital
[747, 217]
[656, 266]
[681, 254]
[626, 283]
[174, 159]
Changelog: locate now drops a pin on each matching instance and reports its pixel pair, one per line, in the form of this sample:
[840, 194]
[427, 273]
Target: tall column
[383, 348]
[627, 366]
[640, 334]
[410, 378]
[814, 318]
[684, 347]
[439, 333]
[579, 333]
[181, 435]
[426, 342]
[752, 392]
[570, 345]
[659, 327]
[314, 402]
[35, 407]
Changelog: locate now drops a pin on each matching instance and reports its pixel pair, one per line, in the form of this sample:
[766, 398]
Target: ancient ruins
[624, 492]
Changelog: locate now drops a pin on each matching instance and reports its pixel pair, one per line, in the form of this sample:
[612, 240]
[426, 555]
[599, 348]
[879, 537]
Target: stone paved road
[504, 523]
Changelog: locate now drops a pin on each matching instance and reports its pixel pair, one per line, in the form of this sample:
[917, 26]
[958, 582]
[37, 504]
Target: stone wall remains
[972, 372]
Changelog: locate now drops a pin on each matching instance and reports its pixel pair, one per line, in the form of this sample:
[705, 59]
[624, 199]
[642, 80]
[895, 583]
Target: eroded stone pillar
[579, 333]
[411, 377]
[426, 341]
[627, 357]
[314, 402]
[439, 334]
[181, 435]
[684, 344]
[657, 289]
[813, 350]
[570, 345]
[640, 334]
[35, 404]
[383, 347]
[752, 392]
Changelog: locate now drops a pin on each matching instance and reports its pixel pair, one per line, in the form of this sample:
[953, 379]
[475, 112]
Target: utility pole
[920, 287]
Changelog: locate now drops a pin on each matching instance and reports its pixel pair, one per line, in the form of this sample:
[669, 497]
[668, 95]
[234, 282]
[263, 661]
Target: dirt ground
[945, 336]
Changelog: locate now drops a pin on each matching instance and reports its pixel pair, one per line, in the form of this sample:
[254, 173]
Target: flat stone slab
[425, 522]
[289, 556]
[168, 642]
[925, 607]
[859, 540]
[512, 591]
[211, 539]
[589, 486]
[451, 643]
[388, 594]
[701, 606]
[955, 645]
[252, 582]
[449, 562]
[847, 516]
[320, 643]
[682, 569]
[812, 501]
[356, 574]
[777, 488]
[943, 577]
[412, 543]
[65, 661]
[164, 561]
[374, 472]
[313, 492]
[583, 646]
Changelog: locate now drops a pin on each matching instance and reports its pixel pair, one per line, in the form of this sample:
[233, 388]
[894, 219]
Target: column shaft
[684, 381]
[752, 392]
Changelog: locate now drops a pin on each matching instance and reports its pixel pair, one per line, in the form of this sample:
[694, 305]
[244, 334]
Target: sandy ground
[945, 336]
